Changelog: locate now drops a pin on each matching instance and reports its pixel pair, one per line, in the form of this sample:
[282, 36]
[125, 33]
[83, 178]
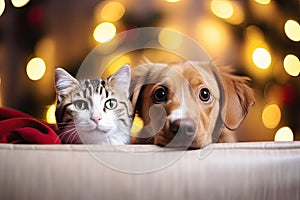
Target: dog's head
[187, 103]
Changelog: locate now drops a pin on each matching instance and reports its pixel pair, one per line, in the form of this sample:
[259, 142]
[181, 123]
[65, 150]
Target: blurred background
[259, 38]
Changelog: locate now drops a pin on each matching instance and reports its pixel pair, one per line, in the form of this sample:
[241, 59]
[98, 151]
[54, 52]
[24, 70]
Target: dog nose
[185, 126]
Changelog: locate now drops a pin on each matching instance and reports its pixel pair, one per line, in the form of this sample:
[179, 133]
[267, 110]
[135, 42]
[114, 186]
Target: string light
[238, 14]
[284, 134]
[112, 11]
[104, 32]
[261, 58]
[19, 3]
[50, 115]
[291, 65]
[222, 8]
[170, 39]
[292, 30]
[36, 68]
[2, 6]
[271, 116]
[264, 2]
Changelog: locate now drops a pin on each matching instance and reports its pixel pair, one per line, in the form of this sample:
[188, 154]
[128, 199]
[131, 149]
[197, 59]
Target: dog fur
[169, 98]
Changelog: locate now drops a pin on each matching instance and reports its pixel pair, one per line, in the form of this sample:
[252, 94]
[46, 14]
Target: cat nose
[96, 118]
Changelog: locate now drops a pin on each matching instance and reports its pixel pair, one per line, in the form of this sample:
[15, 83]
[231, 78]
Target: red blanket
[19, 128]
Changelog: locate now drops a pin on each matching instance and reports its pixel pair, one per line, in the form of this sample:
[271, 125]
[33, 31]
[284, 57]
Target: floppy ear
[139, 76]
[122, 79]
[239, 97]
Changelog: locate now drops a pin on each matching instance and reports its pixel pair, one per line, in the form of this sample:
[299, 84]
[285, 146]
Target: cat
[94, 111]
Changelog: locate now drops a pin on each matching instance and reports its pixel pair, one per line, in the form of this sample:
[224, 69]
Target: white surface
[221, 171]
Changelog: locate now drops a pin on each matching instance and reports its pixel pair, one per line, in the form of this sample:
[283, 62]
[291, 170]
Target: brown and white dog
[188, 104]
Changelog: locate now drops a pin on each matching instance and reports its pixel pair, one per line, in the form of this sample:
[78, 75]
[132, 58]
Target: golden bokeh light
[112, 11]
[261, 58]
[238, 15]
[36, 68]
[291, 65]
[137, 125]
[50, 114]
[170, 39]
[284, 134]
[222, 8]
[173, 1]
[2, 6]
[104, 32]
[116, 65]
[19, 3]
[264, 2]
[292, 30]
[271, 116]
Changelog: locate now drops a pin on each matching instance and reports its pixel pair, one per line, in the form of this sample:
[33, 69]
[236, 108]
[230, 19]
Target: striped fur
[94, 111]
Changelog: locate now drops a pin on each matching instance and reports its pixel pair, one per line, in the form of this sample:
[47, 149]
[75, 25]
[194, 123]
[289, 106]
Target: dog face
[185, 104]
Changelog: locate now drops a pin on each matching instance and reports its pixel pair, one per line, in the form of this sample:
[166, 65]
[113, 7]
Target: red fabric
[19, 128]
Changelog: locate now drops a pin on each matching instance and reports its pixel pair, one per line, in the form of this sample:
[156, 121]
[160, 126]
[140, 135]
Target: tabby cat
[94, 111]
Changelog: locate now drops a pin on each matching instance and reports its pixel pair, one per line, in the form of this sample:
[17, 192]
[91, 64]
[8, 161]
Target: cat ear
[122, 79]
[63, 81]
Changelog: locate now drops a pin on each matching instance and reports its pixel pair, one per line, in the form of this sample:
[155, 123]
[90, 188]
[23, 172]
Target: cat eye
[204, 95]
[111, 104]
[80, 105]
[160, 95]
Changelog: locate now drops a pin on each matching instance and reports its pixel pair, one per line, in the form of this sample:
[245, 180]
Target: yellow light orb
[116, 65]
[264, 2]
[137, 125]
[2, 6]
[238, 15]
[271, 116]
[291, 65]
[112, 11]
[284, 134]
[292, 30]
[261, 58]
[19, 3]
[222, 8]
[50, 115]
[172, 1]
[36, 69]
[104, 32]
[170, 39]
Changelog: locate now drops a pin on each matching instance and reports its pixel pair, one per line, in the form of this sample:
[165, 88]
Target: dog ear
[138, 79]
[239, 97]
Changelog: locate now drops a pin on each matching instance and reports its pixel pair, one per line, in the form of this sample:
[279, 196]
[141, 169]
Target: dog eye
[80, 105]
[160, 95]
[204, 95]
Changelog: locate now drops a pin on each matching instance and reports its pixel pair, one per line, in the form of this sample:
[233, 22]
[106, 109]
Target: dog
[188, 104]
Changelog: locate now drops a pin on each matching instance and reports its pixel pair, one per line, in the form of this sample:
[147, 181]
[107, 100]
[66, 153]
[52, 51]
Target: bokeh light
[261, 58]
[2, 6]
[137, 125]
[292, 30]
[19, 3]
[104, 32]
[36, 68]
[284, 134]
[116, 65]
[222, 8]
[170, 39]
[173, 1]
[264, 2]
[50, 114]
[291, 65]
[238, 15]
[271, 116]
[112, 11]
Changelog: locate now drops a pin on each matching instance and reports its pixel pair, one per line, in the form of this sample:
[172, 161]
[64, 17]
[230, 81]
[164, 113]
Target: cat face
[94, 111]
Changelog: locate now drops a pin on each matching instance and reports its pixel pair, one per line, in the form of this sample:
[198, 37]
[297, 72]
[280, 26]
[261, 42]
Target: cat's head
[99, 110]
